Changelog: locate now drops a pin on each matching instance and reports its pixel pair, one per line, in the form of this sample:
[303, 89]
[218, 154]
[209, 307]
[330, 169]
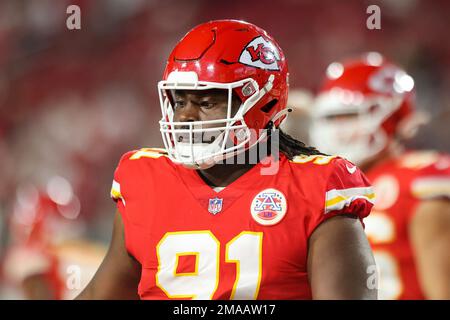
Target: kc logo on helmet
[260, 53]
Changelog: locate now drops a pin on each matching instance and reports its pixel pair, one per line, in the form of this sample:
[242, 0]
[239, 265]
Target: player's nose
[189, 113]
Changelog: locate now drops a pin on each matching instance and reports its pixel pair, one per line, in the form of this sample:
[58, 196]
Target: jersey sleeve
[347, 192]
[133, 170]
[432, 181]
[120, 192]
[117, 192]
[126, 175]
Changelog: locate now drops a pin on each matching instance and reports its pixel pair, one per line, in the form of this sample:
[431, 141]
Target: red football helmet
[235, 56]
[361, 107]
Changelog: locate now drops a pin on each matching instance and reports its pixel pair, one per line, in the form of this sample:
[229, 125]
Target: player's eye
[207, 104]
[179, 104]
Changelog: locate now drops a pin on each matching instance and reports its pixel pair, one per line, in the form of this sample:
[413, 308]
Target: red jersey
[27, 260]
[400, 185]
[248, 241]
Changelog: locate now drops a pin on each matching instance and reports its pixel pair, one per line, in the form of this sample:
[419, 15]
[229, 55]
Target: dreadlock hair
[290, 146]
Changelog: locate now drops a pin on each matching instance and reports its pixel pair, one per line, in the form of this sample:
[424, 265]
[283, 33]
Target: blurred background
[73, 101]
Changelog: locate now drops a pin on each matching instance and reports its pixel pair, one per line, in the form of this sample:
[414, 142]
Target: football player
[202, 220]
[363, 109]
[47, 257]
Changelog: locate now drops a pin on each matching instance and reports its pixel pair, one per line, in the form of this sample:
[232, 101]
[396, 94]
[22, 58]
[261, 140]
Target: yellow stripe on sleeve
[337, 199]
[115, 191]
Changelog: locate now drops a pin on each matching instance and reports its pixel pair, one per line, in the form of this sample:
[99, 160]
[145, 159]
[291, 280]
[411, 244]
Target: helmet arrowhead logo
[260, 53]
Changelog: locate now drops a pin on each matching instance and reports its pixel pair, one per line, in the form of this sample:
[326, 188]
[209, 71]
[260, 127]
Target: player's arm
[430, 236]
[118, 275]
[339, 260]
[37, 287]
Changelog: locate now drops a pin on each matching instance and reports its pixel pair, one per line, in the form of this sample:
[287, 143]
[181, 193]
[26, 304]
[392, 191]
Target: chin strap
[270, 127]
[278, 115]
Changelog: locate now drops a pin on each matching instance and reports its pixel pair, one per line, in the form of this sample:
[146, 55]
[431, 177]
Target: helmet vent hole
[267, 107]
[225, 62]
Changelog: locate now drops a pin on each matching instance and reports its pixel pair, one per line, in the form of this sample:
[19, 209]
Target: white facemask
[352, 131]
[201, 144]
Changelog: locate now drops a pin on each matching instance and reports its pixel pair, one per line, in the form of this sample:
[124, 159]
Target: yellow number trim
[238, 264]
[168, 234]
[183, 274]
[148, 153]
[387, 292]
[316, 159]
[380, 228]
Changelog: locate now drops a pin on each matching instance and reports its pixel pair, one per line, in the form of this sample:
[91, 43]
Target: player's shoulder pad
[327, 165]
[127, 164]
[316, 159]
[130, 158]
[431, 173]
[343, 173]
[152, 153]
[346, 185]
[423, 160]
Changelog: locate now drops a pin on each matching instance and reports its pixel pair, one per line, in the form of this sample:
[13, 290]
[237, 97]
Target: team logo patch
[350, 169]
[215, 205]
[260, 53]
[269, 207]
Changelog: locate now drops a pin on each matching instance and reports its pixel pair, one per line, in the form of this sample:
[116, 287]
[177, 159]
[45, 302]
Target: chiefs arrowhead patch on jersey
[268, 207]
[260, 53]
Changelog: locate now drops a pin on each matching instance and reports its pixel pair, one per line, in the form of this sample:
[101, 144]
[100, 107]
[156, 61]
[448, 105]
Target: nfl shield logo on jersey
[269, 207]
[215, 205]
